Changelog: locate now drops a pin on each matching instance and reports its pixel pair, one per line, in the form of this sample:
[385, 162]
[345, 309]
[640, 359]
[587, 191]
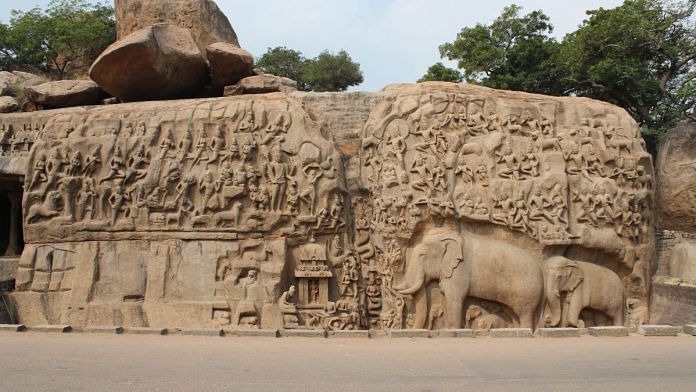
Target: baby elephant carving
[572, 286]
[479, 318]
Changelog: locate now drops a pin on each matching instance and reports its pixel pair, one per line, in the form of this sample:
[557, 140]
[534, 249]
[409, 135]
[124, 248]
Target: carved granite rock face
[156, 62]
[203, 17]
[676, 174]
[267, 83]
[467, 207]
[508, 200]
[65, 93]
[188, 213]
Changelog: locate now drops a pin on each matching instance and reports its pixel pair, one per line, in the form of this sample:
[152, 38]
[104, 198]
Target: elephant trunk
[413, 279]
[553, 298]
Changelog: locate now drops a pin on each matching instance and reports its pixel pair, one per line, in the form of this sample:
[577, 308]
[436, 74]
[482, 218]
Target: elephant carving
[473, 266]
[572, 286]
[479, 318]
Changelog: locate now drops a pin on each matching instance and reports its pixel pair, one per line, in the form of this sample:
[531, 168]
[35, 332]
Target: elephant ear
[572, 276]
[452, 255]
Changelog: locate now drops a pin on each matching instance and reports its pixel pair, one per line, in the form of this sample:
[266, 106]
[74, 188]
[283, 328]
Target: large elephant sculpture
[473, 266]
[572, 286]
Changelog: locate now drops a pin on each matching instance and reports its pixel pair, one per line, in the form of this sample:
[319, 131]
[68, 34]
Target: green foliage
[62, 41]
[326, 72]
[439, 73]
[285, 62]
[332, 72]
[640, 56]
[514, 52]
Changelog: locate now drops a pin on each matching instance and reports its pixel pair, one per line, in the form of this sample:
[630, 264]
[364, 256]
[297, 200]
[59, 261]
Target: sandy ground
[82, 362]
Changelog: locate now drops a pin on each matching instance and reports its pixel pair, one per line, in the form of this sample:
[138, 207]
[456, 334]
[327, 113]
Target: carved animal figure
[479, 318]
[473, 266]
[232, 215]
[47, 209]
[572, 286]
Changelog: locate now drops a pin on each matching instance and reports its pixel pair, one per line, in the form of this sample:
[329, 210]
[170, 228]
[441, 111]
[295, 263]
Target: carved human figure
[116, 166]
[286, 303]
[510, 163]
[39, 174]
[277, 173]
[530, 162]
[312, 172]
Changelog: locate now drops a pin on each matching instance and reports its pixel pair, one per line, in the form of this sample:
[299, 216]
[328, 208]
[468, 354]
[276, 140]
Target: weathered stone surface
[657, 330]
[228, 64]
[252, 332]
[511, 333]
[8, 104]
[202, 331]
[12, 327]
[676, 177]
[267, 83]
[231, 91]
[409, 333]
[157, 62]
[690, 330]
[7, 80]
[146, 331]
[112, 330]
[673, 301]
[453, 333]
[51, 328]
[236, 213]
[65, 93]
[558, 332]
[608, 331]
[203, 17]
[302, 333]
[349, 334]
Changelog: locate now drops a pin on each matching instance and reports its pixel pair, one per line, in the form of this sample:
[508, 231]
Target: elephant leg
[454, 312]
[574, 308]
[420, 306]
[618, 318]
[526, 319]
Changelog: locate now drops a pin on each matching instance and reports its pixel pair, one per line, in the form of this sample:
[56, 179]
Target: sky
[395, 41]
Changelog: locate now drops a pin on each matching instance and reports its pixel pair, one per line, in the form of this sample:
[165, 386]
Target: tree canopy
[326, 72]
[640, 55]
[61, 41]
[439, 72]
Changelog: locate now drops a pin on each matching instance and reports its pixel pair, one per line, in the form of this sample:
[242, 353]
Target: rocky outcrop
[157, 62]
[203, 17]
[228, 64]
[262, 84]
[676, 177]
[8, 104]
[65, 93]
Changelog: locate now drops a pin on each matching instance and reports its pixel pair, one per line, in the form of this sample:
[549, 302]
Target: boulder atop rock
[676, 176]
[203, 17]
[19, 79]
[267, 83]
[228, 64]
[65, 93]
[8, 104]
[157, 62]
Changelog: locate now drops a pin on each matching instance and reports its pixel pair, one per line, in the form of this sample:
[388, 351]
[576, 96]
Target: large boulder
[228, 64]
[158, 62]
[8, 104]
[267, 83]
[11, 81]
[65, 93]
[676, 176]
[203, 17]
[7, 80]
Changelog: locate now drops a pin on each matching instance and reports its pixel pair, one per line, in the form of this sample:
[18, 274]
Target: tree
[439, 73]
[641, 56]
[285, 62]
[62, 41]
[332, 72]
[326, 72]
[514, 52]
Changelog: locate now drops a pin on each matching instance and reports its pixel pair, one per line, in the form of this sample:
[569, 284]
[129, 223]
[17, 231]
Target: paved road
[82, 362]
